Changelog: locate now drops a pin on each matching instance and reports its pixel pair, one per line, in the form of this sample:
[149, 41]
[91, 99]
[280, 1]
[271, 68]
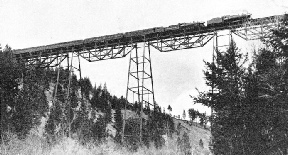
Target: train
[185, 26]
[227, 19]
[179, 26]
[218, 23]
[194, 26]
[144, 32]
[139, 33]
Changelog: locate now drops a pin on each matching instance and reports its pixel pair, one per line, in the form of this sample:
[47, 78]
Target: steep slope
[195, 134]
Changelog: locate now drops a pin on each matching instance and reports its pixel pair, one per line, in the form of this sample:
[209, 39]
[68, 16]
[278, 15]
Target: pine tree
[105, 100]
[266, 88]
[156, 129]
[186, 147]
[169, 109]
[26, 105]
[98, 130]
[271, 75]
[9, 86]
[202, 119]
[184, 115]
[226, 76]
[95, 100]
[249, 104]
[118, 122]
[192, 114]
[86, 86]
[201, 144]
[31, 103]
[54, 120]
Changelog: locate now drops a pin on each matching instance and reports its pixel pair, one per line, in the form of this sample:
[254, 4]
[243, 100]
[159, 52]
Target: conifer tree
[201, 144]
[184, 144]
[98, 130]
[192, 114]
[118, 122]
[169, 109]
[184, 115]
[226, 76]
[105, 100]
[26, 105]
[31, 102]
[86, 86]
[202, 119]
[54, 120]
[266, 88]
[9, 86]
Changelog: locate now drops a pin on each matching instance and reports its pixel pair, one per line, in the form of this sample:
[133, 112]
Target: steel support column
[71, 70]
[140, 83]
[221, 42]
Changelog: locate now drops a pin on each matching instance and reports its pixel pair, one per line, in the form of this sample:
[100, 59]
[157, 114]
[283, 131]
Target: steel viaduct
[140, 79]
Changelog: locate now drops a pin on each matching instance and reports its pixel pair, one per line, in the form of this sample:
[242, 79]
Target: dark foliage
[86, 87]
[118, 122]
[249, 103]
[183, 144]
[23, 101]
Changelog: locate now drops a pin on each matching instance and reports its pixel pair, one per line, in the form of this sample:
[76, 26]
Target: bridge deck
[117, 40]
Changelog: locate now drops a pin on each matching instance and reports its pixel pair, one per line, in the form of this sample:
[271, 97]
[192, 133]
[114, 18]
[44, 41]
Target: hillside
[89, 116]
[195, 134]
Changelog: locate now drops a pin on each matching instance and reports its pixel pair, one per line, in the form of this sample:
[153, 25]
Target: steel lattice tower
[140, 84]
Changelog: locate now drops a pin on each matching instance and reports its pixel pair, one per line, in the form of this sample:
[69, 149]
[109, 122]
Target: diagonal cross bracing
[163, 39]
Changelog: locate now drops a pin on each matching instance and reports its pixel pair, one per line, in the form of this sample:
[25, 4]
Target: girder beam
[258, 28]
[182, 42]
[104, 53]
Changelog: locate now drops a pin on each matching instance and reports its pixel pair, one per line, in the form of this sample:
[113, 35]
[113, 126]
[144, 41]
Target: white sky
[26, 23]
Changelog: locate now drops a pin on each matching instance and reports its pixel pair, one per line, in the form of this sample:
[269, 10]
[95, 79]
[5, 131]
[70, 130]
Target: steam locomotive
[227, 19]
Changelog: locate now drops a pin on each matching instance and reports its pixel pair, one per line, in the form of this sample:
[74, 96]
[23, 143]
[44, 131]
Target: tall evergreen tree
[184, 114]
[192, 114]
[31, 102]
[98, 130]
[118, 122]
[169, 109]
[183, 144]
[21, 109]
[54, 120]
[226, 76]
[250, 106]
[9, 86]
[86, 86]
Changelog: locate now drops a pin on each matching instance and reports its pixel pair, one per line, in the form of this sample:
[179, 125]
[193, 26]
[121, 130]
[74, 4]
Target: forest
[83, 115]
[248, 98]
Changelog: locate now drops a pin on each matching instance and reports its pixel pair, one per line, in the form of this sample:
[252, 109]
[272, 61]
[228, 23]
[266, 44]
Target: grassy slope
[36, 144]
[195, 134]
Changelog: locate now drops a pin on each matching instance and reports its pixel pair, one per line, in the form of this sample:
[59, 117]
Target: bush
[201, 144]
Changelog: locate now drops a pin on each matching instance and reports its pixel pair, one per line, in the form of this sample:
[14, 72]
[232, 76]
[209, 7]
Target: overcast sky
[27, 23]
